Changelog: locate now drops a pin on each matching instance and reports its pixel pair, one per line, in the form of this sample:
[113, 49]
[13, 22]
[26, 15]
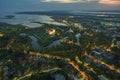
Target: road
[30, 73]
[74, 65]
[107, 65]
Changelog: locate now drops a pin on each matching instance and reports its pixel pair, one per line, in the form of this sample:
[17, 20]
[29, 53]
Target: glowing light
[52, 32]
[111, 67]
[112, 2]
[62, 1]
[67, 1]
[1, 35]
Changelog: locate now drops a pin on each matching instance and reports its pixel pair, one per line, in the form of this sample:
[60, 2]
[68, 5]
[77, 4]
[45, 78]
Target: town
[84, 46]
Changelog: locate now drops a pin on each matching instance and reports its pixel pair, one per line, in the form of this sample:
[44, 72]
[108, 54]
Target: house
[108, 55]
[70, 30]
[117, 39]
[78, 35]
[78, 38]
[76, 24]
[58, 75]
[21, 61]
[1, 35]
[27, 27]
[98, 64]
[44, 65]
[97, 51]
[42, 59]
[102, 77]
[88, 60]
[5, 68]
[6, 73]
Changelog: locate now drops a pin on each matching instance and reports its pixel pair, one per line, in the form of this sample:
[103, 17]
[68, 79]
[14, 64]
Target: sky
[47, 5]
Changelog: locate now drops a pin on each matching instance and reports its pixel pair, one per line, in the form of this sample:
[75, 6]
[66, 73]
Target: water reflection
[35, 43]
[28, 20]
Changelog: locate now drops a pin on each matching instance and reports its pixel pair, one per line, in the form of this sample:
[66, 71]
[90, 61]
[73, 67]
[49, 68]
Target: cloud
[67, 1]
[112, 2]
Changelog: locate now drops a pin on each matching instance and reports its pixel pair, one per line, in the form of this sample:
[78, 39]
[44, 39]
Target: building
[70, 30]
[97, 51]
[78, 38]
[1, 35]
[51, 32]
